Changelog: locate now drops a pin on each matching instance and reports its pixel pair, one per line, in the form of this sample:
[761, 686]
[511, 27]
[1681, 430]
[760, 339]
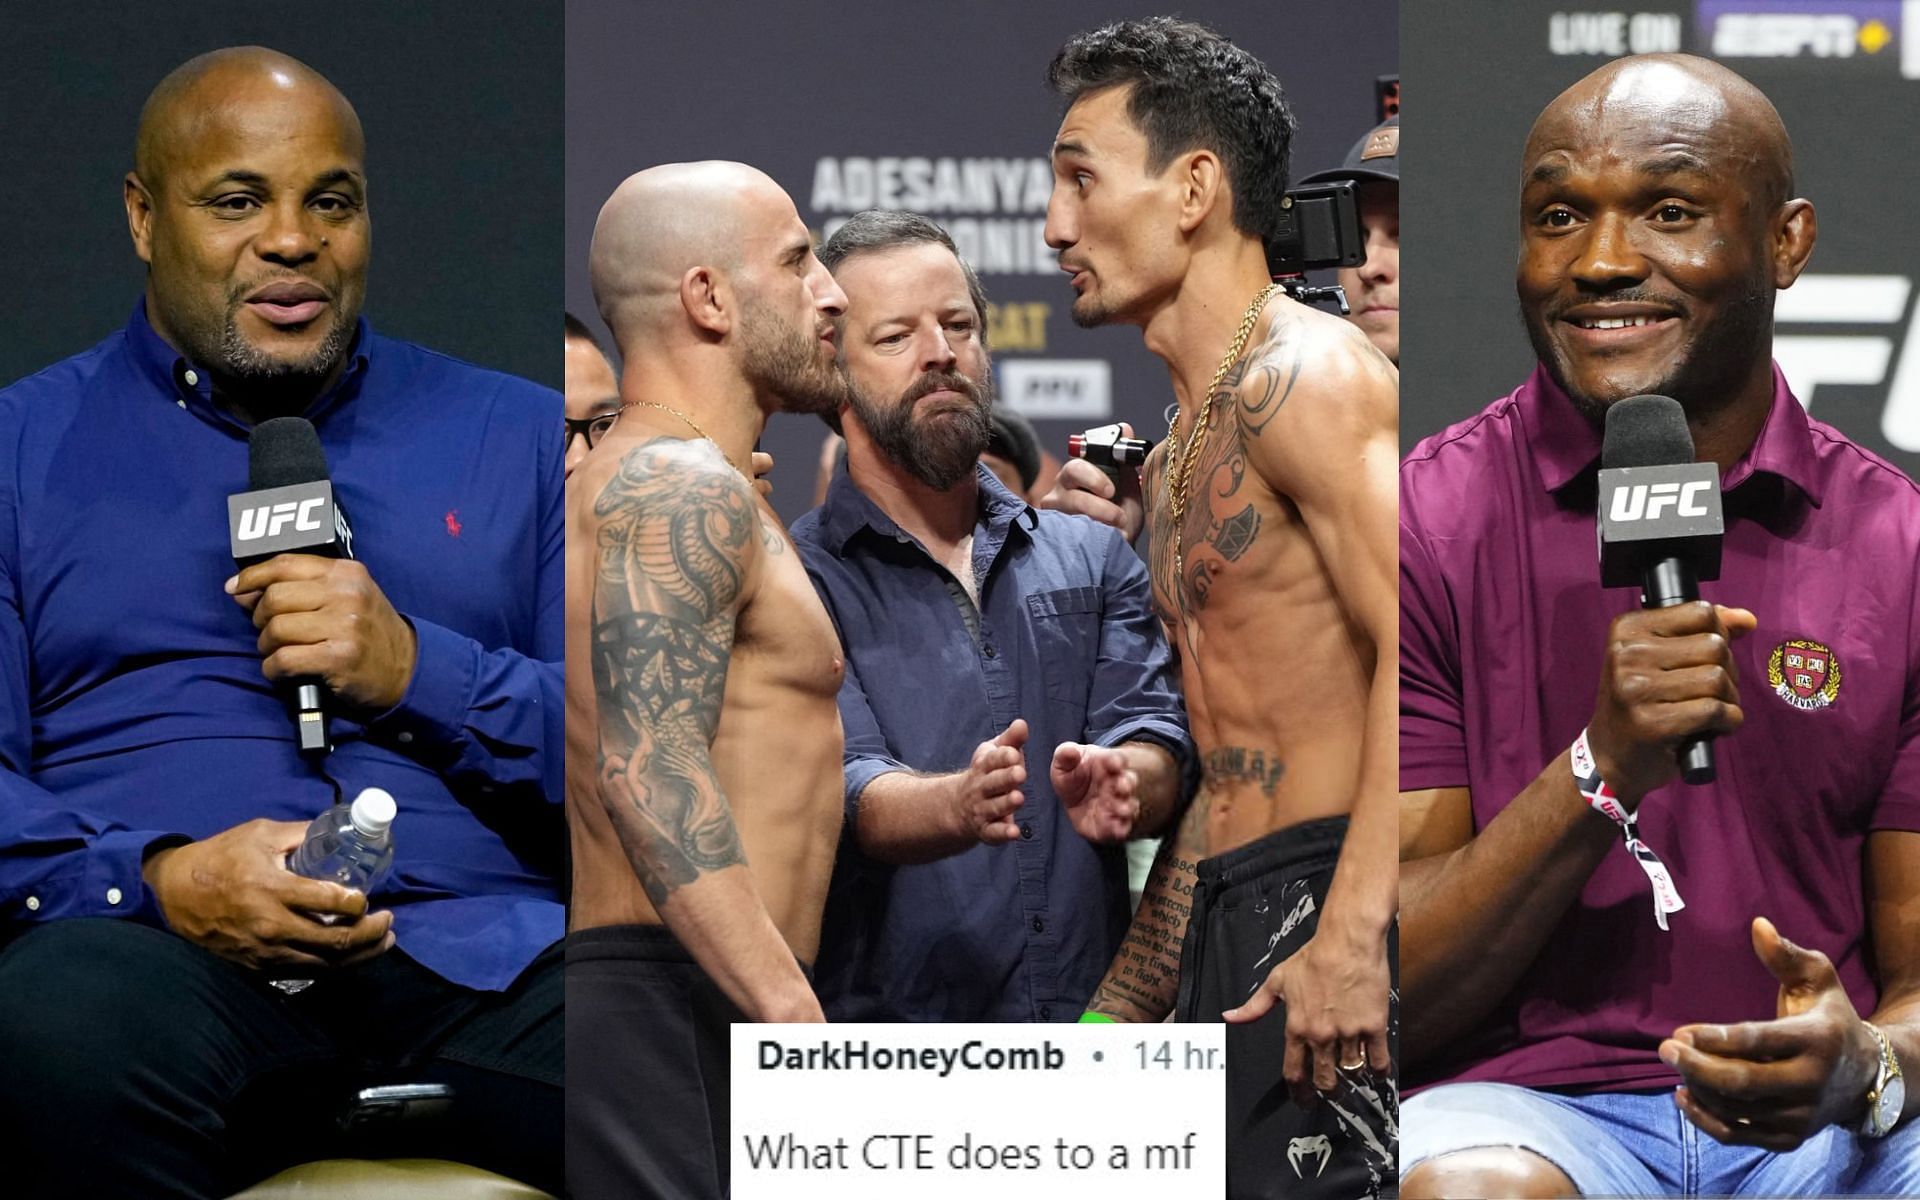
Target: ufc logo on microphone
[270, 519]
[1644, 502]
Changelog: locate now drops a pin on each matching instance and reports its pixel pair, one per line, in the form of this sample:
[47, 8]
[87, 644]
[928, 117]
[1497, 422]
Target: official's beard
[785, 362]
[1708, 375]
[939, 449]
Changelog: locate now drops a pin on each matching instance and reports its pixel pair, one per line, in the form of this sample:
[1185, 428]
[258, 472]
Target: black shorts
[647, 1055]
[1253, 907]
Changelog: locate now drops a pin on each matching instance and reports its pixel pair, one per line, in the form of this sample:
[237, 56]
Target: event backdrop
[462, 109]
[941, 108]
[1846, 78]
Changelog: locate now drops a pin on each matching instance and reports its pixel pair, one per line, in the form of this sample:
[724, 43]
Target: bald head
[1698, 98]
[202, 92]
[667, 220]
[1656, 224]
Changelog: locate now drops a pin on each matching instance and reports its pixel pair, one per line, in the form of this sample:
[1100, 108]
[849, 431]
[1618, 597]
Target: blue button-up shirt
[1064, 637]
[132, 706]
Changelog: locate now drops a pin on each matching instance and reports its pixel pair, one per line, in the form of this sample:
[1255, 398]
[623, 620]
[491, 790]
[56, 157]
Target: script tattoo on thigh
[676, 529]
[1237, 764]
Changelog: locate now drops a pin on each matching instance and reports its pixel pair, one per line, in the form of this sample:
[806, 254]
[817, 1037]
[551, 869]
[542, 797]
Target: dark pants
[648, 1043]
[133, 1063]
[1253, 908]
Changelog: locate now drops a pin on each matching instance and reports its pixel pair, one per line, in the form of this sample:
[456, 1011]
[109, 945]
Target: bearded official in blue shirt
[1009, 706]
[150, 784]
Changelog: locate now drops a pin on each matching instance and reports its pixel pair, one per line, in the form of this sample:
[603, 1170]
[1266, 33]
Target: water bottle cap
[373, 810]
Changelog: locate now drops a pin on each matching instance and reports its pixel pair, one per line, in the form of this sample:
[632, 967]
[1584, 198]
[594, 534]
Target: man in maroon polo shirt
[1553, 1012]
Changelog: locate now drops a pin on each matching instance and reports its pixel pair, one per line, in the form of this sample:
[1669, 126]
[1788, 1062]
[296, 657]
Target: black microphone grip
[1665, 583]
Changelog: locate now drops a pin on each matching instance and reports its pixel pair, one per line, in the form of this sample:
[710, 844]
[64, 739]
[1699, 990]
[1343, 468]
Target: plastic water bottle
[350, 844]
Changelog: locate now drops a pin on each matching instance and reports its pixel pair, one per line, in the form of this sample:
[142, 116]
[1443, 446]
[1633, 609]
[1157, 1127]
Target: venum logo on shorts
[1301, 912]
[1301, 1149]
[1804, 673]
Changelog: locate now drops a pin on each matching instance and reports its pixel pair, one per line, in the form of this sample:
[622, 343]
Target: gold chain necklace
[691, 424]
[1180, 469]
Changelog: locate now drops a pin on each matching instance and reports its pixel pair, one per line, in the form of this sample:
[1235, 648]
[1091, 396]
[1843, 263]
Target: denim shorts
[1638, 1144]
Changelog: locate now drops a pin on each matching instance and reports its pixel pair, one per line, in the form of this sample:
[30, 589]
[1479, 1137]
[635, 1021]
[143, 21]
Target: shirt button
[33, 904]
[988, 651]
[1046, 1012]
[1039, 926]
[113, 895]
[181, 403]
[405, 737]
[192, 378]
[1026, 831]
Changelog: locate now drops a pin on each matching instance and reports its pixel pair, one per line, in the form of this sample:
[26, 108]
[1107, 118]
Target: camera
[1319, 228]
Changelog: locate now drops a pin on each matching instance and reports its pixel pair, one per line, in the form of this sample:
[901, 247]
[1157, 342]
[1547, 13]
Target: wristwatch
[1888, 1096]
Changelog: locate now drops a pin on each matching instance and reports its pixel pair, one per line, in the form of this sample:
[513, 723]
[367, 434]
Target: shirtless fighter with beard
[703, 765]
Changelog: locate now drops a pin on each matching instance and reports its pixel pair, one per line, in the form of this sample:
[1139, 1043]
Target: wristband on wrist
[1094, 1018]
[1586, 777]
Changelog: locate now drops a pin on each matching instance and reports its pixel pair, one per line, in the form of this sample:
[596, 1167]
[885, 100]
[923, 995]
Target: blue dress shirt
[132, 706]
[1064, 637]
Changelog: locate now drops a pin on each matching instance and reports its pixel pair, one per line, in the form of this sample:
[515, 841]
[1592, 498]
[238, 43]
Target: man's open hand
[987, 793]
[1097, 788]
[1774, 1084]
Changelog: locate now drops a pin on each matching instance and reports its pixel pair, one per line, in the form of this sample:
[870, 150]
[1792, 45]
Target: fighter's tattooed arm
[1143, 981]
[677, 529]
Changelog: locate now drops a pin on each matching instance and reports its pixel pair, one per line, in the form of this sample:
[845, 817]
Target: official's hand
[1669, 675]
[232, 894]
[762, 464]
[1080, 487]
[1097, 788]
[1774, 1084]
[1335, 992]
[987, 793]
[326, 617]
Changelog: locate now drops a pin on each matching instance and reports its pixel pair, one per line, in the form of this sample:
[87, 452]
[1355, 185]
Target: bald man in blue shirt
[150, 784]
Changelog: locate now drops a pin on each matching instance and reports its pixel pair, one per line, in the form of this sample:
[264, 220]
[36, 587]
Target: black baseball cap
[1375, 156]
[1014, 439]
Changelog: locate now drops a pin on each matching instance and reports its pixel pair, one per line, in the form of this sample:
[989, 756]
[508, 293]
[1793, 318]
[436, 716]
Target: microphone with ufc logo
[290, 508]
[1660, 520]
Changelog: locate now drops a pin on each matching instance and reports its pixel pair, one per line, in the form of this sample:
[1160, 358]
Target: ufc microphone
[290, 508]
[1660, 520]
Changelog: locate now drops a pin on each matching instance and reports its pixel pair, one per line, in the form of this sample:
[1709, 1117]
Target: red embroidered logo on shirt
[1805, 674]
[453, 522]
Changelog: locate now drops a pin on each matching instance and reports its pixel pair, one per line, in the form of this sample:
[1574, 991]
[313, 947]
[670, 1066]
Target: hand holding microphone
[1669, 679]
[325, 618]
[1669, 684]
[324, 625]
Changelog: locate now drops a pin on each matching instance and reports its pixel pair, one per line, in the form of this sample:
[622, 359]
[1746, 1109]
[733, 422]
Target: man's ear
[708, 300]
[1202, 180]
[1794, 232]
[139, 202]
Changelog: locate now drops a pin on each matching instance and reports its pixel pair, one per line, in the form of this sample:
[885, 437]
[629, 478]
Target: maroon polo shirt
[1502, 629]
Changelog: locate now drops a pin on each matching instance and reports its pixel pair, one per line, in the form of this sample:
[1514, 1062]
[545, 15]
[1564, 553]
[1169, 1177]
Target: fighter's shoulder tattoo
[674, 547]
[1265, 376]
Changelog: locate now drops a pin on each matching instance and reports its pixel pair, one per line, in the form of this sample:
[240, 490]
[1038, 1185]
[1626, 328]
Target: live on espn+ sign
[1875, 34]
